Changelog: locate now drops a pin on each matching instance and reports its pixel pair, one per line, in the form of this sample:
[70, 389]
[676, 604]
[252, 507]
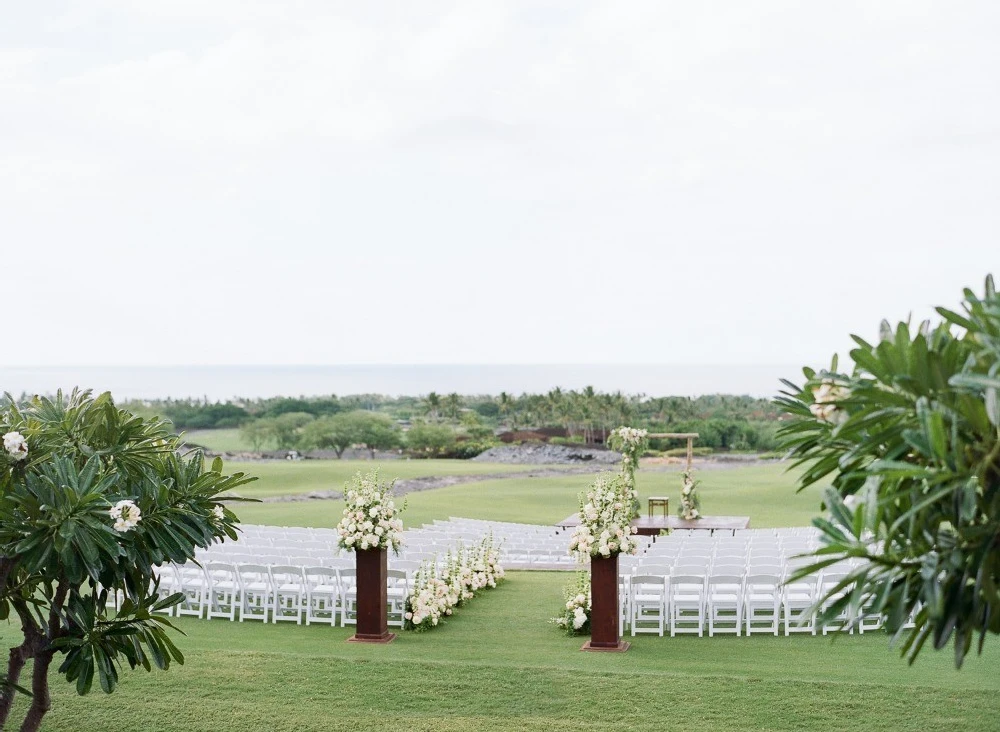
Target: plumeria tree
[910, 440]
[92, 500]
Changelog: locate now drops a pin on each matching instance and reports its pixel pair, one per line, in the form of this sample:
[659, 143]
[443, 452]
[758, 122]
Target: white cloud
[495, 182]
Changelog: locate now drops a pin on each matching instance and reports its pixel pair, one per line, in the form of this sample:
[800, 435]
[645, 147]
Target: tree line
[442, 424]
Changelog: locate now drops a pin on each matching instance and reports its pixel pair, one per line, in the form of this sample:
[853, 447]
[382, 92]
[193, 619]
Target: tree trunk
[41, 702]
[15, 663]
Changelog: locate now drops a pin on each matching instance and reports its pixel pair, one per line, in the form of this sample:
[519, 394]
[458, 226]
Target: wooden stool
[661, 502]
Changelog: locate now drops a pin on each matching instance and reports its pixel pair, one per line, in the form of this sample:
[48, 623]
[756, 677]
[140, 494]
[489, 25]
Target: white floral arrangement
[370, 517]
[439, 588]
[631, 443]
[826, 402]
[605, 520]
[16, 446]
[690, 503]
[575, 619]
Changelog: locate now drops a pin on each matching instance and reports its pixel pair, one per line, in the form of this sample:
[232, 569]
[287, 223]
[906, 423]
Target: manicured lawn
[766, 494]
[221, 440]
[283, 477]
[499, 665]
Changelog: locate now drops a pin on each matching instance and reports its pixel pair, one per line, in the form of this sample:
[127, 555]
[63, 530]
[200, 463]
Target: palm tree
[432, 405]
[506, 407]
[453, 405]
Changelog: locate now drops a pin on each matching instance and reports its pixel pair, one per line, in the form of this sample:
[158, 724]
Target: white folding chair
[686, 602]
[256, 592]
[289, 586]
[648, 603]
[796, 600]
[322, 594]
[397, 590]
[222, 592]
[725, 603]
[762, 602]
[348, 584]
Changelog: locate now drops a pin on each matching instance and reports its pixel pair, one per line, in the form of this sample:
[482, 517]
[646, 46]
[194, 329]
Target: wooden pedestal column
[604, 606]
[372, 565]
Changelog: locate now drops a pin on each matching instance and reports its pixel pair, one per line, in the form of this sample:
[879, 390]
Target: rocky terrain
[545, 454]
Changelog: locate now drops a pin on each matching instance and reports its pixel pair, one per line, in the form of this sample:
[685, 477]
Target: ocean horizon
[228, 382]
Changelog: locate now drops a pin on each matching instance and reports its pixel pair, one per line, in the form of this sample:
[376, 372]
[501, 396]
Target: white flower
[126, 515]
[219, 512]
[15, 445]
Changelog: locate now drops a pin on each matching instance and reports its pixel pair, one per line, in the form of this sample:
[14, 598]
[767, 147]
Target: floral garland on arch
[690, 503]
[439, 588]
[370, 516]
[631, 443]
[605, 520]
[575, 619]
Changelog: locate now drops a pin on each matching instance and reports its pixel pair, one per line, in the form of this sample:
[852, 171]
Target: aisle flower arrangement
[575, 619]
[370, 518]
[605, 519]
[439, 588]
[690, 503]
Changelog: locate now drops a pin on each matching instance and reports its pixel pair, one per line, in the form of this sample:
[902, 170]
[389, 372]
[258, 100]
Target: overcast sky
[238, 182]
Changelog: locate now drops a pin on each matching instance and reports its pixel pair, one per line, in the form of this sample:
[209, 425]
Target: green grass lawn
[221, 440]
[764, 493]
[284, 477]
[499, 665]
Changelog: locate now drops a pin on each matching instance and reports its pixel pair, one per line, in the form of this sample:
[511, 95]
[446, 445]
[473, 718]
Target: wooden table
[652, 526]
[659, 502]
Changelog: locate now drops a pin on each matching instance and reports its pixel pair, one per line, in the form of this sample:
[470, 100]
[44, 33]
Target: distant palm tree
[506, 405]
[453, 405]
[432, 405]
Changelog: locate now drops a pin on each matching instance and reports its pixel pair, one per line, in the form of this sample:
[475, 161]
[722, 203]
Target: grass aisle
[499, 665]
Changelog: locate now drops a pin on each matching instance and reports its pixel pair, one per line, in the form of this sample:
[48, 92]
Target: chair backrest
[285, 574]
[729, 580]
[649, 584]
[315, 576]
[687, 583]
[220, 571]
[253, 574]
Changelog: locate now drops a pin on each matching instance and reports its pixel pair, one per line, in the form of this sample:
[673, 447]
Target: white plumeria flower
[16, 445]
[126, 515]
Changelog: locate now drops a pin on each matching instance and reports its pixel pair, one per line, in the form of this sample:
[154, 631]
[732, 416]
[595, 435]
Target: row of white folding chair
[685, 604]
[726, 603]
[259, 592]
[304, 561]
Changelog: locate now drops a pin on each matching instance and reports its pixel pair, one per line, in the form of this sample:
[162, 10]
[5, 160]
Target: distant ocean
[225, 382]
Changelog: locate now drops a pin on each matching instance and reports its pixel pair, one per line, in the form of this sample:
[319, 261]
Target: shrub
[910, 439]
